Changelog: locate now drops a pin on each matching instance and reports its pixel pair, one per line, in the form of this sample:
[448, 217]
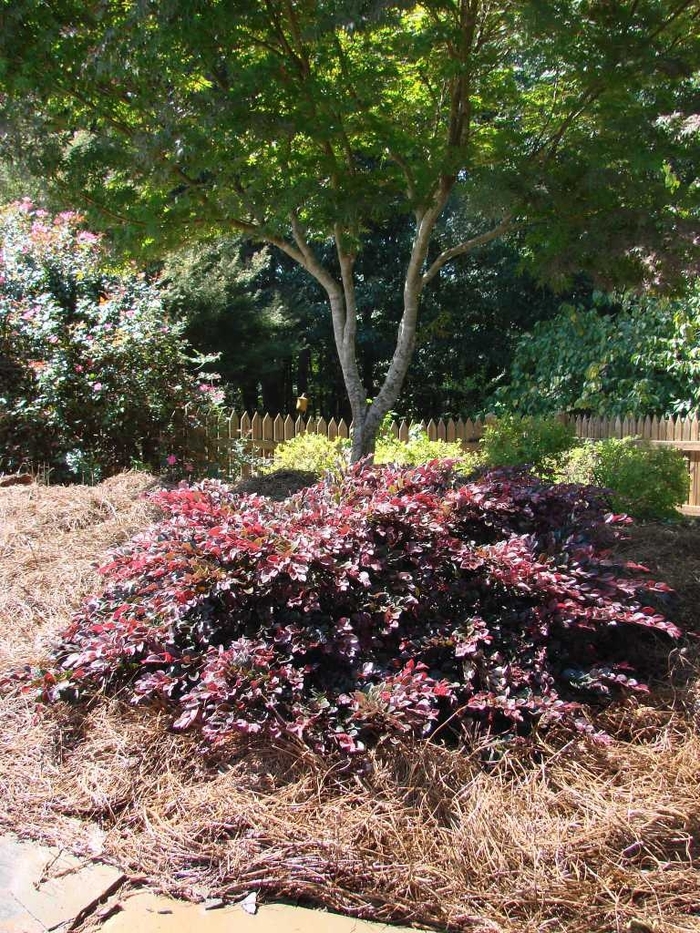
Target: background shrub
[312, 453]
[644, 481]
[626, 354]
[316, 453]
[385, 601]
[91, 368]
[418, 449]
[537, 442]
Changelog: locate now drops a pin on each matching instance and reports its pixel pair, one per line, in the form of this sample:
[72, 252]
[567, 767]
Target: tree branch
[347, 262]
[408, 174]
[466, 247]
[305, 255]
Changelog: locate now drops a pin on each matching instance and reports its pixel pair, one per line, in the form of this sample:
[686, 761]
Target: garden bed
[579, 837]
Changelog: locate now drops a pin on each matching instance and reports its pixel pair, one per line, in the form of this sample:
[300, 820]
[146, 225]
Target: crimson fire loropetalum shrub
[388, 600]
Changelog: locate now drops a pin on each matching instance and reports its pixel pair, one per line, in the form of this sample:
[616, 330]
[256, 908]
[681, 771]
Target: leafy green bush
[540, 443]
[91, 367]
[317, 454]
[578, 464]
[645, 482]
[628, 354]
[418, 449]
[313, 453]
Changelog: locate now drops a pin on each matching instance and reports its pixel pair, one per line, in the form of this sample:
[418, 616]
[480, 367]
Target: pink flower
[53, 339]
[78, 368]
[84, 236]
[97, 386]
[188, 467]
[171, 459]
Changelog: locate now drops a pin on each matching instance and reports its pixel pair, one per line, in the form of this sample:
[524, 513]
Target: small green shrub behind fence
[230, 444]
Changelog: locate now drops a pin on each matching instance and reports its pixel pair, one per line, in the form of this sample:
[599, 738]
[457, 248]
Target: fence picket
[211, 443]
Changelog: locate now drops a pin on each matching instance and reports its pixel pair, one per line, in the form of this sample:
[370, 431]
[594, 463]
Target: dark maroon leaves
[393, 601]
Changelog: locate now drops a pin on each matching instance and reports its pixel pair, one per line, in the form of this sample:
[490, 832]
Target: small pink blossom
[78, 368]
[171, 459]
[130, 313]
[53, 338]
[86, 237]
[97, 386]
[188, 467]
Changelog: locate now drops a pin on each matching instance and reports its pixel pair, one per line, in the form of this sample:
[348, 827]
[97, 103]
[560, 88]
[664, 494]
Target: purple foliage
[391, 601]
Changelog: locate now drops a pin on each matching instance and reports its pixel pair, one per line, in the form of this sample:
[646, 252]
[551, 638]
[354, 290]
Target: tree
[624, 355]
[299, 122]
[219, 289]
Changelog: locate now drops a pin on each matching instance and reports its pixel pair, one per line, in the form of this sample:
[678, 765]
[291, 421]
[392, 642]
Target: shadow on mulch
[278, 485]
[671, 551]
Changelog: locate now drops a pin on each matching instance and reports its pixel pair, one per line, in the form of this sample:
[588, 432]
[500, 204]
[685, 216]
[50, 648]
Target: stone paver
[43, 889]
[149, 913]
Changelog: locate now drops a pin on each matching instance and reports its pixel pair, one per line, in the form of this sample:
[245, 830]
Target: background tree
[624, 355]
[223, 292]
[301, 123]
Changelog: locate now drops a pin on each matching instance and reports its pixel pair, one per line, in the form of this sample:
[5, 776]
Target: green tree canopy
[301, 122]
[221, 290]
[625, 355]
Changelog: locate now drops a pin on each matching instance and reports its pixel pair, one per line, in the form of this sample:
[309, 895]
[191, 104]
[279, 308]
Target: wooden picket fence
[214, 443]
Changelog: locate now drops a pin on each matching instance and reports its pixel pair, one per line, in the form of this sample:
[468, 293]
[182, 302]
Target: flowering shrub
[91, 368]
[386, 601]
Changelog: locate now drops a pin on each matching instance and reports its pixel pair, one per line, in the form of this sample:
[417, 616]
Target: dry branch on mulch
[586, 838]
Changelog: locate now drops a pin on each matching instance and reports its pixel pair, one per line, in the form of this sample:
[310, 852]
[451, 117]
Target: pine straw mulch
[580, 838]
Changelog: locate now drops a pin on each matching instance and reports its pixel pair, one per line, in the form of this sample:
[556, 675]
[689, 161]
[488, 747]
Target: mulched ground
[575, 838]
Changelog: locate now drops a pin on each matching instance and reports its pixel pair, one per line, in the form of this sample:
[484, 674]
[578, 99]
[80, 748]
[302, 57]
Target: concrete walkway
[44, 890]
